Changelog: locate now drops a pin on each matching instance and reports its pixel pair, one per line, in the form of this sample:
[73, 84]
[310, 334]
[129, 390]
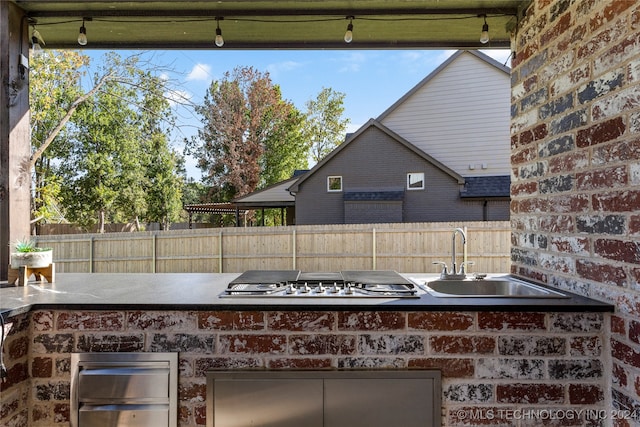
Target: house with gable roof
[440, 153]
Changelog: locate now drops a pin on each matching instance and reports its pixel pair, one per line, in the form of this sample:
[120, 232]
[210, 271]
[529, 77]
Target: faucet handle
[463, 264]
[445, 271]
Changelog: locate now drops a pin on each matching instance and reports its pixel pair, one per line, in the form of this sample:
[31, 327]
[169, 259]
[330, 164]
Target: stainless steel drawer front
[124, 389]
[124, 415]
[123, 383]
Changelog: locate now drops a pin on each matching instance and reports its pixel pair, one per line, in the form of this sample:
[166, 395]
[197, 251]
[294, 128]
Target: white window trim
[409, 181]
[329, 189]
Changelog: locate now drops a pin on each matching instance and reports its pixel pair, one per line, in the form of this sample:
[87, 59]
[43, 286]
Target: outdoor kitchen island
[504, 361]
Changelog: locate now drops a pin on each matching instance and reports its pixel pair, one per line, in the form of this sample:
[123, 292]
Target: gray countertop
[200, 291]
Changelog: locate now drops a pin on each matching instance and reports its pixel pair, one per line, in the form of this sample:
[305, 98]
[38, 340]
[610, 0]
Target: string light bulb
[484, 35]
[82, 35]
[219, 40]
[348, 35]
[35, 46]
[36, 42]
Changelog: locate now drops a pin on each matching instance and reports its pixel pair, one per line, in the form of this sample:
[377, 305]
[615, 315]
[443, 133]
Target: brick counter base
[498, 368]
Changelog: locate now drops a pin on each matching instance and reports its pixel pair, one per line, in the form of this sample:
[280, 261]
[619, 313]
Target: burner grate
[292, 283]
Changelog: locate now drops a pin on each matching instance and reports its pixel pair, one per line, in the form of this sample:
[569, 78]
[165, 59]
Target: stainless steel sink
[489, 288]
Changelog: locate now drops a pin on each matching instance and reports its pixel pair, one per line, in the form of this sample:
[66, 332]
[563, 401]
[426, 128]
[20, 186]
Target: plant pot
[38, 259]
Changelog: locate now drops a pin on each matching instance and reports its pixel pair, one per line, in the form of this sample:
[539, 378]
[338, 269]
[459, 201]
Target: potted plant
[27, 254]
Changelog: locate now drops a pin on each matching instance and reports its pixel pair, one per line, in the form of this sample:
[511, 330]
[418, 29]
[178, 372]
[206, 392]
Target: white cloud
[353, 62]
[444, 55]
[412, 55]
[353, 127]
[279, 67]
[200, 72]
[178, 97]
[418, 62]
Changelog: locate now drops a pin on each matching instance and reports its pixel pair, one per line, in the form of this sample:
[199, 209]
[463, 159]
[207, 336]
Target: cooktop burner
[293, 283]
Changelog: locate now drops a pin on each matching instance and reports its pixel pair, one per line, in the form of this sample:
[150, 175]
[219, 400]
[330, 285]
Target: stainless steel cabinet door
[378, 402]
[352, 398]
[268, 403]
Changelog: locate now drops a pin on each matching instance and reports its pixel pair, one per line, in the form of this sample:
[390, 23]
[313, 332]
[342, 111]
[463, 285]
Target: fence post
[373, 248]
[91, 254]
[220, 252]
[154, 255]
[293, 245]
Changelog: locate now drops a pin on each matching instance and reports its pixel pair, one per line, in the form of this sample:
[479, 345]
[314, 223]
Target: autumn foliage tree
[245, 122]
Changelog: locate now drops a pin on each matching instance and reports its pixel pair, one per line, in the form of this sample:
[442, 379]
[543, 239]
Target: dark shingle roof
[486, 186]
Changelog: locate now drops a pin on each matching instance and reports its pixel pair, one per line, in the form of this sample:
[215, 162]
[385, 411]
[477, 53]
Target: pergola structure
[213, 208]
[194, 24]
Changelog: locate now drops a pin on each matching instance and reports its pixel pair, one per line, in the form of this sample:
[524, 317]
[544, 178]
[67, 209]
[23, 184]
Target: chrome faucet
[459, 274]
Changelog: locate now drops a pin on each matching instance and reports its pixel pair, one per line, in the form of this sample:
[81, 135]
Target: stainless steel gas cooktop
[347, 284]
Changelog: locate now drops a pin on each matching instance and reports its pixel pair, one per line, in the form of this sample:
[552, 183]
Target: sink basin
[490, 288]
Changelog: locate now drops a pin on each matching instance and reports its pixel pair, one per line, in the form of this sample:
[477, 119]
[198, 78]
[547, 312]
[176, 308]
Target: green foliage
[46, 199]
[103, 155]
[24, 245]
[27, 245]
[285, 150]
[161, 163]
[104, 160]
[53, 87]
[324, 127]
[112, 162]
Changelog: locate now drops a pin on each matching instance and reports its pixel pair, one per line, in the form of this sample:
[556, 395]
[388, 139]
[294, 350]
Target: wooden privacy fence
[405, 247]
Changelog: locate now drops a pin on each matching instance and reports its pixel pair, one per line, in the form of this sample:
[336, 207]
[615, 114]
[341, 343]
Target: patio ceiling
[274, 24]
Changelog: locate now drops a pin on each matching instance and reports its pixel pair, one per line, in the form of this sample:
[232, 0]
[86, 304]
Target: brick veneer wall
[14, 392]
[496, 366]
[576, 164]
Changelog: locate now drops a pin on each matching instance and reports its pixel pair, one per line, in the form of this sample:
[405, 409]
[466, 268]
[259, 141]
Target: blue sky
[372, 80]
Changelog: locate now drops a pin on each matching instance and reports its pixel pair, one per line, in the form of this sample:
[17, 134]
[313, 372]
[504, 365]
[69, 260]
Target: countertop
[200, 291]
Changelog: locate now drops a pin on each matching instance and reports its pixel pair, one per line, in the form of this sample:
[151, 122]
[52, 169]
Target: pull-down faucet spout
[455, 273]
[454, 270]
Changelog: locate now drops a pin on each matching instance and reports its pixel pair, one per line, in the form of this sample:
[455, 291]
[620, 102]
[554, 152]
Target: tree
[245, 122]
[285, 150]
[103, 173]
[164, 196]
[164, 184]
[324, 127]
[53, 90]
[108, 145]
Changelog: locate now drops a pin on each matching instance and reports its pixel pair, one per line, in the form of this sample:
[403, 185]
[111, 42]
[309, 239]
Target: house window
[415, 181]
[334, 183]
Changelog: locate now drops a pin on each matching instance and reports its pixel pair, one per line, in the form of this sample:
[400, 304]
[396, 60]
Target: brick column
[575, 139]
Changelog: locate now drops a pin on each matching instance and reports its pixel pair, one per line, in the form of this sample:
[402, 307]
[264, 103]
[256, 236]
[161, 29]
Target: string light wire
[267, 20]
[281, 20]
